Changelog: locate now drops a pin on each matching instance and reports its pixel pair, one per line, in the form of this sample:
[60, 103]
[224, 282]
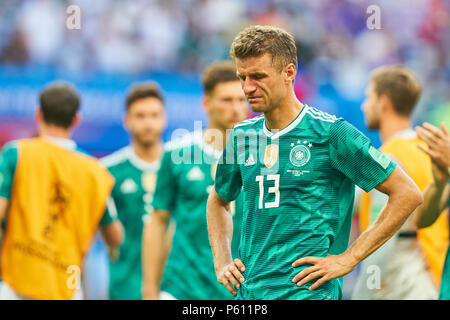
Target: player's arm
[111, 229]
[158, 232]
[156, 245]
[8, 163]
[435, 196]
[404, 197]
[437, 193]
[220, 230]
[352, 154]
[3, 208]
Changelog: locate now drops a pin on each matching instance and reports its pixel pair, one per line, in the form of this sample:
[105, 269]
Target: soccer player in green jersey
[437, 194]
[184, 181]
[297, 167]
[134, 168]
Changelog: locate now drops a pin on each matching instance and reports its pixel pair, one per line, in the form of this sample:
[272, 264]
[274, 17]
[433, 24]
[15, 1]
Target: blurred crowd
[149, 35]
[335, 45]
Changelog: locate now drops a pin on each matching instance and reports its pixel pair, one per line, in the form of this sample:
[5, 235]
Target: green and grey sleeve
[8, 163]
[352, 153]
[110, 214]
[228, 181]
[165, 190]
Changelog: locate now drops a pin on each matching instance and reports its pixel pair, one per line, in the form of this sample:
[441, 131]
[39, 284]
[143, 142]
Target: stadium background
[170, 41]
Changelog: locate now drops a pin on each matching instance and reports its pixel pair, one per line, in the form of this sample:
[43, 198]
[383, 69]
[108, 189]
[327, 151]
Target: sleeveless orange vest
[57, 201]
[433, 240]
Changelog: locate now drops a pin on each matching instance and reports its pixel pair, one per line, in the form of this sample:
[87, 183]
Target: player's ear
[38, 115]
[206, 103]
[125, 121]
[385, 104]
[290, 72]
[76, 120]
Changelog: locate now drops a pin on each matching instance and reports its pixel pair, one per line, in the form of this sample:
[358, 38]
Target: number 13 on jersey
[274, 189]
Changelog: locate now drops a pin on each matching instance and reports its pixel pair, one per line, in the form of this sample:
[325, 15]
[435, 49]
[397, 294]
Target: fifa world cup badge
[149, 181]
[271, 155]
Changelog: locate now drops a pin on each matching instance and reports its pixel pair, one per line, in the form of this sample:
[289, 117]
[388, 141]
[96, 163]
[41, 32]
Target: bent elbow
[114, 234]
[418, 197]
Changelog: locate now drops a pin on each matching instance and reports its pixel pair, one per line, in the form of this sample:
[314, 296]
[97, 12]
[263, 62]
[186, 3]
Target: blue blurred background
[170, 41]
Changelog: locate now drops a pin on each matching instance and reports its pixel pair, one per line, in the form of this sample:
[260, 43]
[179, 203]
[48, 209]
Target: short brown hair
[143, 90]
[59, 103]
[254, 41]
[218, 72]
[400, 85]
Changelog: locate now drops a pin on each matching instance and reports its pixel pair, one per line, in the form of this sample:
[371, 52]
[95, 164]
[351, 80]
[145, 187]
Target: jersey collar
[286, 129]
[140, 163]
[404, 134]
[62, 142]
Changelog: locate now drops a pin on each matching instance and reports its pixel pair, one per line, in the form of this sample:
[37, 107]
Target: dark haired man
[184, 181]
[297, 167]
[134, 167]
[53, 197]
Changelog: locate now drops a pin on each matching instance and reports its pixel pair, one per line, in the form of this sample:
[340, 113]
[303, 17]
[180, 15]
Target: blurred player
[182, 191]
[297, 167]
[134, 168]
[437, 193]
[411, 261]
[53, 198]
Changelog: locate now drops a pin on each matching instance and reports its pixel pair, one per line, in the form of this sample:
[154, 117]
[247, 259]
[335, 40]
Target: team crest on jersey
[149, 181]
[300, 155]
[271, 155]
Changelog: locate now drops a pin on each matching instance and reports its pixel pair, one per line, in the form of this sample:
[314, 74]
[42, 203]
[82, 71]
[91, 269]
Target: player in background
[184, 181]
[297, 167]
[134, 168]
[53, 197]
[410, 263]
[437, 193]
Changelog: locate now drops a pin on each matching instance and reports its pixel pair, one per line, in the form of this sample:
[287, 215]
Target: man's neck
[55, 132]
[390, 126]
[281, 116]
[149, 153]
[209, 136]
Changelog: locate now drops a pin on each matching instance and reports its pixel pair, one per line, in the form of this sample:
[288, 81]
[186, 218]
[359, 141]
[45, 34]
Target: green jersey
[132, 195]
[444, 293]
[185, 178]
[298, 185]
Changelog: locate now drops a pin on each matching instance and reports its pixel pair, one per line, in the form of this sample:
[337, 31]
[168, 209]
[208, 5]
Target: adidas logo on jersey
[128, 186]
[250, 161]
[195, 174]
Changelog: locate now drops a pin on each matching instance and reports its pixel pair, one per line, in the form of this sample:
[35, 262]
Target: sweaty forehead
[250, 65]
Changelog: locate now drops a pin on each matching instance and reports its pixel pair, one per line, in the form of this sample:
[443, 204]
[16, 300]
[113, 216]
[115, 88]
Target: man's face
[371, 108]
[226, 105]
[146, 120]
[264, 85]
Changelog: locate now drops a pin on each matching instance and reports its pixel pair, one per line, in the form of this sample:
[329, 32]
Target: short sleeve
[352, 153]
[165, 190]
[8, 163]
[110, 214]
[228, 181]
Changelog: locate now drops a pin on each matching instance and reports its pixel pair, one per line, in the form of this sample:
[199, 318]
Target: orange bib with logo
[57, 201]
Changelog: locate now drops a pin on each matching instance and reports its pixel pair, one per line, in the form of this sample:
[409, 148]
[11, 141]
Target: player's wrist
[350, 259]
[150, 294]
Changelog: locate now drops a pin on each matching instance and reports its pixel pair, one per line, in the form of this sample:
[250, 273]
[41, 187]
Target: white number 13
[275, 189]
